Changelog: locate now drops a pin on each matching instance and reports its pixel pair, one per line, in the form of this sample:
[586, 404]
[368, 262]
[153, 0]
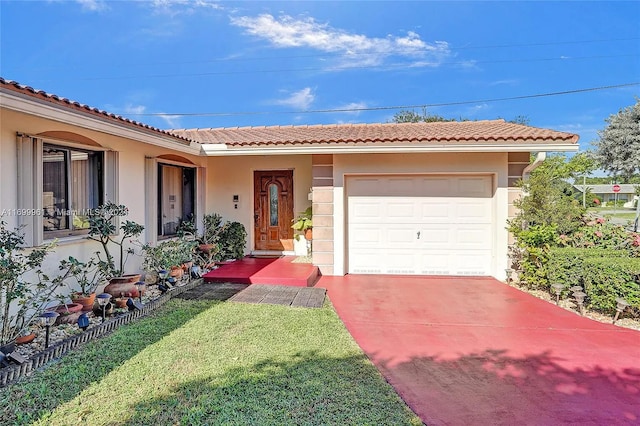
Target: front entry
[273, 209]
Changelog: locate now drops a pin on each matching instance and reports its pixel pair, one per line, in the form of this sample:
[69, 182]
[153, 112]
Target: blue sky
[188, 64]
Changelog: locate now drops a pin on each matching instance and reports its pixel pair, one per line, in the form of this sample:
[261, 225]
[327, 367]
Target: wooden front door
[273, 209]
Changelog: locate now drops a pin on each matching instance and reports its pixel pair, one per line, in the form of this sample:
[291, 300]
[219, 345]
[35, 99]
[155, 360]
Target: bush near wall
[607, 278]
[566, 265]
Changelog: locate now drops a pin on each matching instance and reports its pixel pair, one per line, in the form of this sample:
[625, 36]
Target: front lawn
[205, 363]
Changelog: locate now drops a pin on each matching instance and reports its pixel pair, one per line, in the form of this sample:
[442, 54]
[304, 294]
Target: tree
[550, 200]
[618, 147]
[406, 116]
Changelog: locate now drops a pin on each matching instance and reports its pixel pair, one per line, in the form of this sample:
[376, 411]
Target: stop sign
[616, 188]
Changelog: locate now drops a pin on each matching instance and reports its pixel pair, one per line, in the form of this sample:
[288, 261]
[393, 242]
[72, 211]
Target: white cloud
[505, 82]
[173, 121]
[352, 106]
[134, 109]
[182, 7]
[357, 49]
[89, 5]
[302, 99]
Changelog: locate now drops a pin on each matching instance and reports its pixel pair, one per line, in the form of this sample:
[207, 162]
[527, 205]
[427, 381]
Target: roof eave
[42, 108]
[222, 150]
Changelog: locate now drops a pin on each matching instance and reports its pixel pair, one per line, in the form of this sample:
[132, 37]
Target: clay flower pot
[84, 300]
[121, 302]
[176, 272]
[27, 338]
[123, 286]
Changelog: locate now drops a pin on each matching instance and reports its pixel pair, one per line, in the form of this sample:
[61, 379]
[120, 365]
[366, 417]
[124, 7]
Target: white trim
[52, 111]
[219, 150]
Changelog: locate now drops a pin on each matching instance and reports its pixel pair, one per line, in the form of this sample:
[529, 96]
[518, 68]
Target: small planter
[176, 272]
[121, 302]
[308, 234]
[206, 248]
[27, 338]
[69, 308]
[123, 286]
[85, 300]
[68, 313]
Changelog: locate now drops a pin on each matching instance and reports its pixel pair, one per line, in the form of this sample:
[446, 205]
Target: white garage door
[428, 225]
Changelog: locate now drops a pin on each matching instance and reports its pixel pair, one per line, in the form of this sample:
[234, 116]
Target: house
[606, 193]
[411, 198]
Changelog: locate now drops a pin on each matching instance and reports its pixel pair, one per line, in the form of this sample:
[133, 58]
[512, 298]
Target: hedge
[605, 279]
[566, 265]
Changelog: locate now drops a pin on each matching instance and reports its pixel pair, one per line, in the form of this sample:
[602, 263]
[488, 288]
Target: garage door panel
[471, 238]
[420, 225]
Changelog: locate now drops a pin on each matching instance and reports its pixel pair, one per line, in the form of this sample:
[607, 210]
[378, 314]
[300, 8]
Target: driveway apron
[474, 351]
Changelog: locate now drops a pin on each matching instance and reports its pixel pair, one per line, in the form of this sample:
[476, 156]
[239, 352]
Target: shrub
[535, 243]
[233, 240]
[567, 265]
[607, 278]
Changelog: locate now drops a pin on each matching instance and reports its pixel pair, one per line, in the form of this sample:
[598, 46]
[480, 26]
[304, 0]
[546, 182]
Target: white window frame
[30, 185]
[151, 195]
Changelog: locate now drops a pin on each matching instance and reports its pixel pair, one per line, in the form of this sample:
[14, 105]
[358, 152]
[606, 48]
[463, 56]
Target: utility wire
[404, 66]
[384, 108]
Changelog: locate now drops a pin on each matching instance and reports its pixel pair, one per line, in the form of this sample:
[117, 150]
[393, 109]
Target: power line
[404, 66]
[385, 108]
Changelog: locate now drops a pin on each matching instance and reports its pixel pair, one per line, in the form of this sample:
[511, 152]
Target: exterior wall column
[322, 206]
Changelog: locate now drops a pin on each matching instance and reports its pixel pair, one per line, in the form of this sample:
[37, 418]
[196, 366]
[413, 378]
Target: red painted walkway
[280, 271]
[474, 351]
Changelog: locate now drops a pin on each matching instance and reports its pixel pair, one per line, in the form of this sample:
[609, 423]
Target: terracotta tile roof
[16, 87]
[451, 133]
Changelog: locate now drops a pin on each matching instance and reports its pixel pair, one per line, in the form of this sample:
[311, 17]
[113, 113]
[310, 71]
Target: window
[58, 183]
[176, 197]
[71, 186]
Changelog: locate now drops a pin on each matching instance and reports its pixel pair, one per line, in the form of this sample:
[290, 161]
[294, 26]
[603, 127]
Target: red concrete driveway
[474, 351]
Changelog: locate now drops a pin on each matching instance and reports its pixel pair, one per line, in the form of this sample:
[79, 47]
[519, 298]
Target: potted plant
[169, 255]
[102, 229]
[87, 276]
[212, 228]
[24, 289]
[303, 223]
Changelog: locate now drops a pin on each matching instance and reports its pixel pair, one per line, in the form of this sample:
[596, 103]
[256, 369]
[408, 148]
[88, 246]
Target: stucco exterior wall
[449, 163]
[229, 176]
[131, 176]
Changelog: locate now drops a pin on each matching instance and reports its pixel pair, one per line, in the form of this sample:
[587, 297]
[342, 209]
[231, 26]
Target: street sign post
[616, 189]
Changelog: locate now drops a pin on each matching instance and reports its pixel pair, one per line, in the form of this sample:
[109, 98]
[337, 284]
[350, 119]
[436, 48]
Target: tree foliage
[618, 147]
[549, 200]
[406, 116]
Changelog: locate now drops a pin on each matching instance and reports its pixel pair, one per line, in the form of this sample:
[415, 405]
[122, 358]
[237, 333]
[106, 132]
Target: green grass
[207, 363]
[621, 213]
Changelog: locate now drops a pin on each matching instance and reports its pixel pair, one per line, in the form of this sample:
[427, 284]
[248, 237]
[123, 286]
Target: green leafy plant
[87, 275]
[168, 253]
[24, 289]
[607, 278]
[233, 240]
[102, 229]
[303, 221]
[212, 228]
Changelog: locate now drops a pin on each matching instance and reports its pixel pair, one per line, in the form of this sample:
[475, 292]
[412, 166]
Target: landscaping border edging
[10, 374]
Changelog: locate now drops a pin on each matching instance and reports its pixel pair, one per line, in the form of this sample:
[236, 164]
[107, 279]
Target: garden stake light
[508, 272]
[103, 299]
[557, 288]
[575, 289]
[621, 305]
[580, 300]
[142, 286]
[47, 319]
[163, 274]
[83, 321]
